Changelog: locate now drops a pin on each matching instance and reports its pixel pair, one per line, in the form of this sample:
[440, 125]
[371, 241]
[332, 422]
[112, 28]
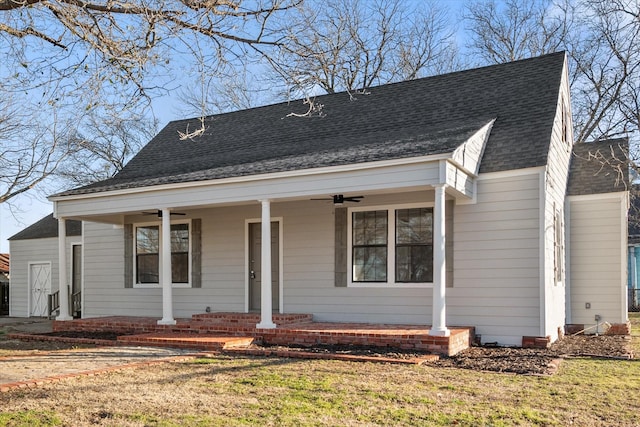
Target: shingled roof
[420, 117]
[4, 263]
[599, 167]
[48, 227]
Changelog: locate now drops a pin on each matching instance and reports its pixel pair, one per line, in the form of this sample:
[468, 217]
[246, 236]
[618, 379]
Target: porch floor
[217, 331]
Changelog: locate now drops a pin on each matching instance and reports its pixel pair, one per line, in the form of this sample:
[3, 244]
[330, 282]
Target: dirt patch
[498, 359]
[539, 361]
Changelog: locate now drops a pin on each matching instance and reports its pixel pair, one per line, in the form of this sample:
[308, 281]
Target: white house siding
[553, 292]
[496, 259]
[496, 256]
[222, 271]
[308, 269]
[598, 238]
[24, 252]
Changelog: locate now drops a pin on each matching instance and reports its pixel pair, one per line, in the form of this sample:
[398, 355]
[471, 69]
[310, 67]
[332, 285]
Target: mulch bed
[498, 359]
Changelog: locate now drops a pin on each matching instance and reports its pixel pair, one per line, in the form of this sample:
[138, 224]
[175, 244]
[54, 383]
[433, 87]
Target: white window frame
[135, 253]
[558, 247]
[391, 247]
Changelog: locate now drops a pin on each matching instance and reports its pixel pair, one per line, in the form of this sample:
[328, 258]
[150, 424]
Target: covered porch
[279, 243]
[207, 330]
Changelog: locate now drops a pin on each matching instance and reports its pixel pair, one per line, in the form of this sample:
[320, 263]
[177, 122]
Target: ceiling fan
[159, 213]
[339, 199]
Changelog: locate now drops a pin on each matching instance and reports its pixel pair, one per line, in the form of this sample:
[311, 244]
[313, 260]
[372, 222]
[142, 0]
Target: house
[4, 284]
[597, 208]
[35, 264]
[633, 267]
[440, 201]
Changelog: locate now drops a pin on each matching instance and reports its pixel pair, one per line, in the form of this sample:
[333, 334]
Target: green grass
[237, 391]
[226, 391]
[635, 323]
[29, 418]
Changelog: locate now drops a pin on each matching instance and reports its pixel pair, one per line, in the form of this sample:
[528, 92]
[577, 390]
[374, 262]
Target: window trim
[158, 285]
[391, 247]
[558, 247]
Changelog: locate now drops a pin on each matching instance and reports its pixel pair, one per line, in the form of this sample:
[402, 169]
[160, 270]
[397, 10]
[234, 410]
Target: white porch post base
[439, 333]
[266, 307]
[63, 286]
[439, 325]
[165, 270]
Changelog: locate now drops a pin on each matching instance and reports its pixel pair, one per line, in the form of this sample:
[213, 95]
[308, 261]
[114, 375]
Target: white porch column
[439, 324]
[266, 318]
[63, 284]
[165, 270]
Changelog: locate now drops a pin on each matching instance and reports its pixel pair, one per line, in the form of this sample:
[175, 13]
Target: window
[392, 245]
[147, 254]
[558, 258]
[370, 238]
[414, 245]
[566, 132]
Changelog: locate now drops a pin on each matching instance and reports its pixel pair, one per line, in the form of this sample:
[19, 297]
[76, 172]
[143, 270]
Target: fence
[4, 299]
[634, 299]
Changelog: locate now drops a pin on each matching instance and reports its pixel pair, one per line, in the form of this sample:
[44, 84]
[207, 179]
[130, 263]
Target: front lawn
[245, 391]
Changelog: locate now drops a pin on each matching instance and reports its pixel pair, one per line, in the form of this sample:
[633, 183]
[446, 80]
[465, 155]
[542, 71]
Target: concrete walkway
[27, 325]
[35, 368]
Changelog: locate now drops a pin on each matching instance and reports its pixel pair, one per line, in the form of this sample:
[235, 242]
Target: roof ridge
[346, 92]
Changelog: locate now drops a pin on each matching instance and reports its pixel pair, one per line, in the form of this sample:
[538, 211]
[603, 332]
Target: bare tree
[606, 80]
[30, 149]
[602, 39]
[352, 45]
[516, 29]
[83, 45]
[65, 64]
[108, 141]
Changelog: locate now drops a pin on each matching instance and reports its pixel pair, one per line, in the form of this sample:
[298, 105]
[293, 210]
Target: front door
[255, 265]
[40, 284]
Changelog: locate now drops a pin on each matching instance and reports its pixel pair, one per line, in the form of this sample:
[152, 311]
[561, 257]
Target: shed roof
[47, 227]
[599, 167]
[419, 117]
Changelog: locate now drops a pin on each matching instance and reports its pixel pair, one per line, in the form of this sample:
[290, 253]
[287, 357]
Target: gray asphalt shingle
[48, 227]
[599, 167]
[420, 117]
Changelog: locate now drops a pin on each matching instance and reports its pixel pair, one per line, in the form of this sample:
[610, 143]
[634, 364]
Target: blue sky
[30, 208]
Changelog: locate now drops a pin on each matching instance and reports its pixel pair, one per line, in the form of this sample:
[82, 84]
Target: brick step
[248, 319]
[187, 341]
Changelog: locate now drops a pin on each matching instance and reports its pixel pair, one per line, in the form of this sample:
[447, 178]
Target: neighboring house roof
[599, 167]
[634, 214]
[4, 263]
[420, 117]
[48, 227]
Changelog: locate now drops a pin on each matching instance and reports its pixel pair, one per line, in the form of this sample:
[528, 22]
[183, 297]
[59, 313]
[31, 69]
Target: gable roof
[599, 167]
[420, 117]
[48, 227]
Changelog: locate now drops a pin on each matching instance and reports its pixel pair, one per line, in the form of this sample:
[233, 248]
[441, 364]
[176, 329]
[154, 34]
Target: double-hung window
[391, 246]
[147, 253]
